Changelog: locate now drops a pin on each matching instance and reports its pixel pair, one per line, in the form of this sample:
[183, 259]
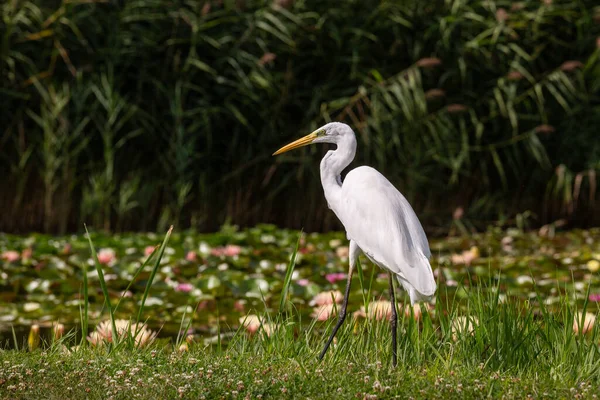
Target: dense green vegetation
[138, 114]
[244, 313]
[215, 279]
[357, 368]
[495, 339]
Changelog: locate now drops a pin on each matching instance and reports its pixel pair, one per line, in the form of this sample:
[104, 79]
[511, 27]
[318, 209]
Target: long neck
[332, 166]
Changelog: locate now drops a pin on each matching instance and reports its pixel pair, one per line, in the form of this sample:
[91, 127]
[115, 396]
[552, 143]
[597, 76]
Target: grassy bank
[508, 351]
[199, 375]
[480, 337]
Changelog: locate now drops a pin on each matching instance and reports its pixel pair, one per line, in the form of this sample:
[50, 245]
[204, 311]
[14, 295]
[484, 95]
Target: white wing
[383, 224]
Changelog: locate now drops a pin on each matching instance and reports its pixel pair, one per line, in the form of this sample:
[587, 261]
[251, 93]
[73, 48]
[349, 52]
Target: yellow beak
[306, 140]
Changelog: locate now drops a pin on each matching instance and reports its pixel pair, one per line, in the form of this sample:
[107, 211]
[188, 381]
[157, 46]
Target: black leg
[394, 320]
[342, 315]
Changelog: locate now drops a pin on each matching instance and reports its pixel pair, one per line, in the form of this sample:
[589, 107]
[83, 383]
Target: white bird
[378, 219]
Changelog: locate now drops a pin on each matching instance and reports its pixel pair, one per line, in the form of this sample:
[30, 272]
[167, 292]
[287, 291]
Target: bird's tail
[414, 294]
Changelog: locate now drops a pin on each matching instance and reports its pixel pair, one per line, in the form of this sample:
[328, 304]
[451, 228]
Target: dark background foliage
[131, 115]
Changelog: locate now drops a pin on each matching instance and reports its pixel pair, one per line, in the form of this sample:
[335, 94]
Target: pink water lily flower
[324, 312]
[238, 306]
[66, 249]
[251, 322]
[27, 253]
[10, 256]
[333, 278]
[106, 256]
[184, 287]
[303, 282]
[140, 332]
[342, 251]
[466, 257]
[324, 298]
[463, 325]
[148, 250]
[378, 310]
[589, 320]
[309, 248]
[595, 297]
[191, 256]
[230, 250]
[412, 310]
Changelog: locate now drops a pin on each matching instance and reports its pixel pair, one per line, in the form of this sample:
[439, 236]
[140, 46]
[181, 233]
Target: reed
[466, 104]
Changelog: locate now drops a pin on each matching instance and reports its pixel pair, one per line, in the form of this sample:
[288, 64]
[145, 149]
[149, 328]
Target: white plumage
[385, 227]
[378, 220]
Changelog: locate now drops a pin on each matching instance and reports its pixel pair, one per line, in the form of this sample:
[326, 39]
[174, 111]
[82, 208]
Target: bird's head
[333, 132]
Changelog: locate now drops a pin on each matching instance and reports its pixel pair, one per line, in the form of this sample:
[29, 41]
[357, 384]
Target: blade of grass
[369, 291]
[153, 274]
[140, 269]
[219, 348]
[103, 286]
[85, 315]
[361, 279]
[288, 276]
[179, 336]
[14, 335]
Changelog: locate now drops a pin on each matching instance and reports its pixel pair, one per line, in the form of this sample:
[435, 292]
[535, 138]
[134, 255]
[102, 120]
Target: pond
[216, 279]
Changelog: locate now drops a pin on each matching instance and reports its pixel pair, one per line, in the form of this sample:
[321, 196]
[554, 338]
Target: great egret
[379, 221]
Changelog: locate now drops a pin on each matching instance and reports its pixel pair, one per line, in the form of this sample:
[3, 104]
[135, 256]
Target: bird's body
[378, 219]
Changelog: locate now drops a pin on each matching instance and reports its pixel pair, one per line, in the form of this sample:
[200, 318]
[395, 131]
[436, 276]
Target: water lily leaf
[210, 283]
[30, 307]
[256, 287]
[152, 301]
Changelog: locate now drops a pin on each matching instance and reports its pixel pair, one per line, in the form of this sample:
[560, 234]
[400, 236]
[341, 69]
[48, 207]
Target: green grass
[103, 286]
[199, 374]
[130, 338]
[511, 353]
[472, 344]
[48, 286]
